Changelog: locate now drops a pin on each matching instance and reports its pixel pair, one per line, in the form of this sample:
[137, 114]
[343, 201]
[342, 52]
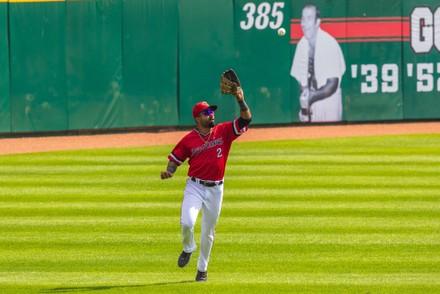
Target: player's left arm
[245, 113]
[325, 91]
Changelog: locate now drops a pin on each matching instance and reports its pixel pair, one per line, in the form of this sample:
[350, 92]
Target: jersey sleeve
[232, 130]
[179, 154]
[236, 128]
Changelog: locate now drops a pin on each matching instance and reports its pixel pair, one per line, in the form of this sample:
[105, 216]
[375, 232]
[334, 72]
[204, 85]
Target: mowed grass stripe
[350, 215]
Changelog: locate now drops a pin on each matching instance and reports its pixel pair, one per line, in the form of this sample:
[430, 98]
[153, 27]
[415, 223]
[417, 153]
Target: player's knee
[187, 226]
[209, 232]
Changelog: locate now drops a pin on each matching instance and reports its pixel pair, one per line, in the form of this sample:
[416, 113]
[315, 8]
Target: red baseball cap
[199, 107]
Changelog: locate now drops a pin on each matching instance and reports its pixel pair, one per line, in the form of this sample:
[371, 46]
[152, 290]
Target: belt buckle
[206, 183]
[209, 184]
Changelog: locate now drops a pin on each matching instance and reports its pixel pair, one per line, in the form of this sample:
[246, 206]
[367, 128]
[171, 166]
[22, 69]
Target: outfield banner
[150, 59]
[361, 49]
[37, 66]
[421, 63]
[109, 64]
[94, 64]
[318, 60]
[5, 108]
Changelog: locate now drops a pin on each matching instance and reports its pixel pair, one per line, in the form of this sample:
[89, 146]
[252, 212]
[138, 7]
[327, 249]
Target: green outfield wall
[119, 64]
[5, 108]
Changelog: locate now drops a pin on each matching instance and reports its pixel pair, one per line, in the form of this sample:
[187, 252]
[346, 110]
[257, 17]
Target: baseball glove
[229, 82]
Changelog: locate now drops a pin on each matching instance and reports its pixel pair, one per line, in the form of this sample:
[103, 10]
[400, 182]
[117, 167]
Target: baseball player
[318, 66]
[207, 148]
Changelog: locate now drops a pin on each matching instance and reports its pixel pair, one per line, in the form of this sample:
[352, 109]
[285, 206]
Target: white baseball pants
[208, 199]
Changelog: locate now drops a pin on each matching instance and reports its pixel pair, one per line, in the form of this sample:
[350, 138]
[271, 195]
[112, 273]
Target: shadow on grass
[103, 288]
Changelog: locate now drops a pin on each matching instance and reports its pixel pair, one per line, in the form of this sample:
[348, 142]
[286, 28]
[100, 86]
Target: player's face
[309, 23]
[207, 118]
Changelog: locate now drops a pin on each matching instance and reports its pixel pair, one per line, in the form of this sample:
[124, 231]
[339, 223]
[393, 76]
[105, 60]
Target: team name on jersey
[207, 145]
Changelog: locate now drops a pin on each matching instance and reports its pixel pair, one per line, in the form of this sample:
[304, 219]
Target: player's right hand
[240, 94]
[166, 175]
[304, 99]
[303, 117]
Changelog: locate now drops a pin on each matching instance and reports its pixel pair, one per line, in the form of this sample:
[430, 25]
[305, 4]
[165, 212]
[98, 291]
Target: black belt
[207, 183]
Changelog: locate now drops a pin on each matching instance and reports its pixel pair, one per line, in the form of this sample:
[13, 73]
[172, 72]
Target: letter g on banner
[425, 29]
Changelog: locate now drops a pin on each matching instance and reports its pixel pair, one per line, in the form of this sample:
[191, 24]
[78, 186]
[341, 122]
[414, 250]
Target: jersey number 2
[219, 152]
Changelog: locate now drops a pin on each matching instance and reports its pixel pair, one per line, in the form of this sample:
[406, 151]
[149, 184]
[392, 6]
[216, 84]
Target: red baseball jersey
[207, 154]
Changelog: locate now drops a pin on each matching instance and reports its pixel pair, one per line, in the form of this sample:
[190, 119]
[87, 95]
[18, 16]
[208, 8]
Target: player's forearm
[325, 91]
[245, 113]
[171, 169]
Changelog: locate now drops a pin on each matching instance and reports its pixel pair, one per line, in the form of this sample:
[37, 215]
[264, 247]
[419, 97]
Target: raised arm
[245, 114]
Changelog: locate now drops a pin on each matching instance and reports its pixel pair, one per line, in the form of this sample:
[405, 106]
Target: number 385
[263, 15]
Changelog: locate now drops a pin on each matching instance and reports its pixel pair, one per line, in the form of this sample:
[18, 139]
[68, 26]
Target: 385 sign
[263, 15]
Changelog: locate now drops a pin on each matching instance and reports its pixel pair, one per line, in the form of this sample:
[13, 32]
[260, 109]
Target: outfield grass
[351, 215]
